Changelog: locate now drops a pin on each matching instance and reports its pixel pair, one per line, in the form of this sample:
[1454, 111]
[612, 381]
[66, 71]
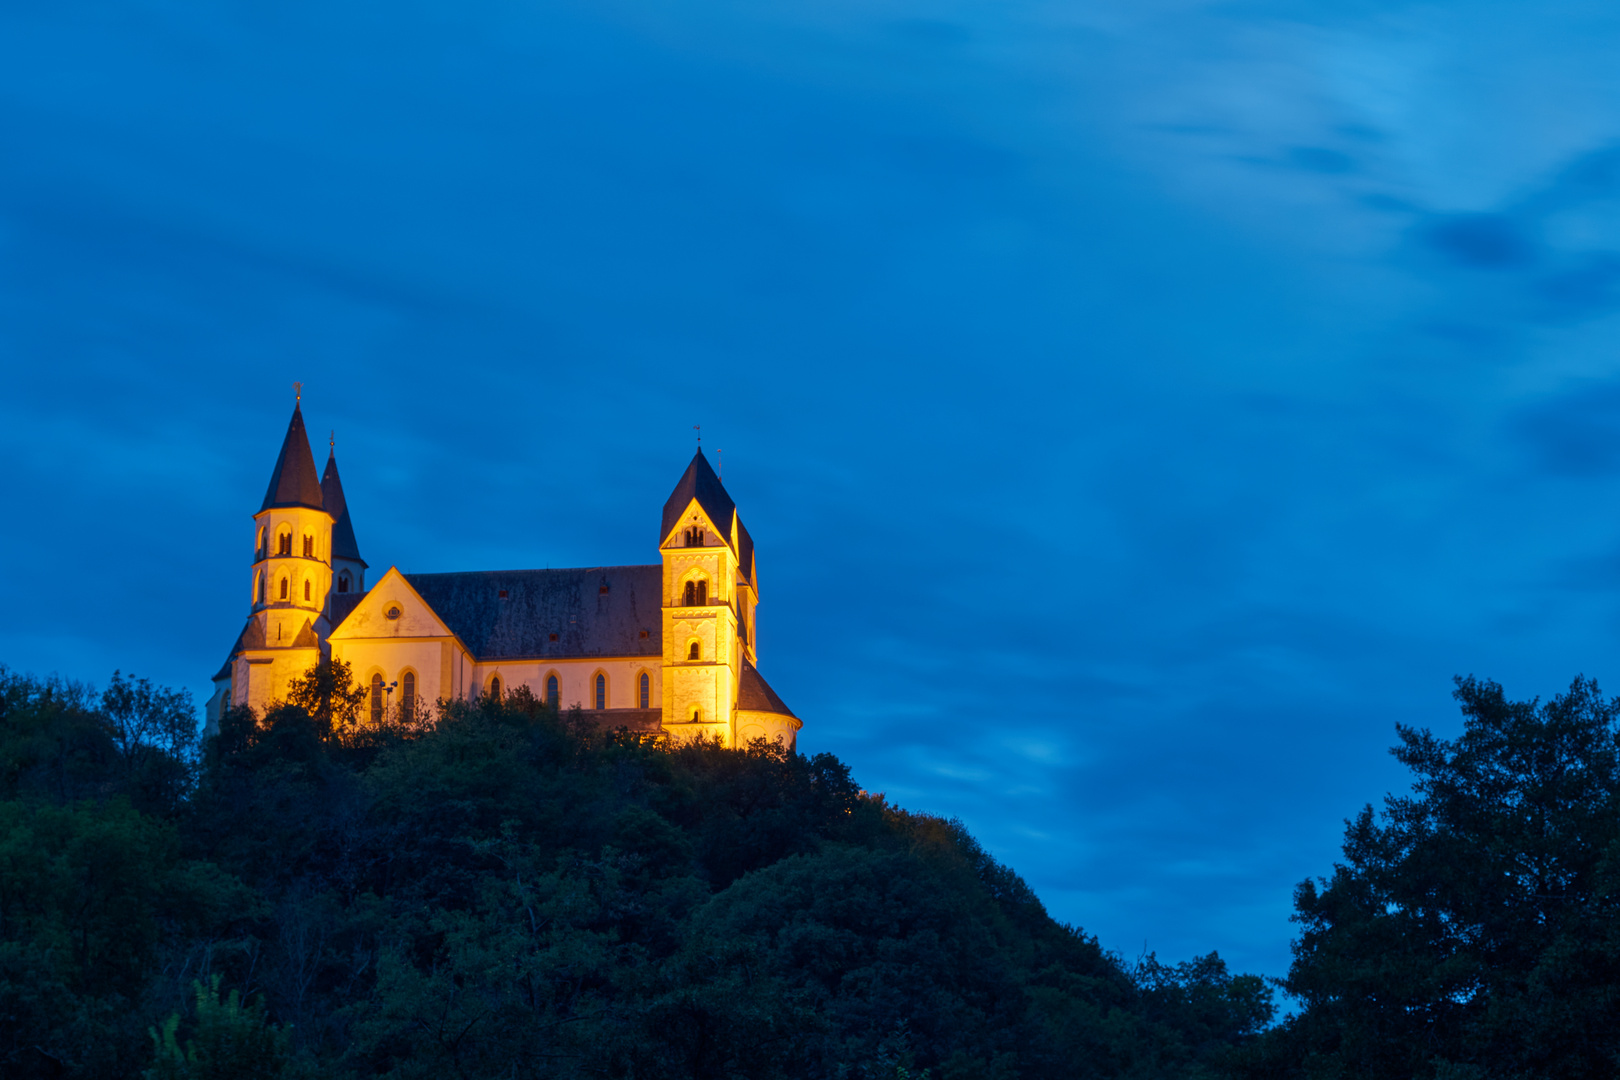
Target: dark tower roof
[699, 482]
[295, 482]
[344, 545]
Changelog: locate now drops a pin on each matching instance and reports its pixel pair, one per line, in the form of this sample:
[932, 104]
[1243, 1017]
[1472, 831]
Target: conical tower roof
[344, 545]
[295, 482]
[699, 482]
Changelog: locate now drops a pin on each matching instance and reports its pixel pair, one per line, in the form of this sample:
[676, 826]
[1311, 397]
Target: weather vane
[720, 456]
[331, 441]
[699, 429]
[298, 392]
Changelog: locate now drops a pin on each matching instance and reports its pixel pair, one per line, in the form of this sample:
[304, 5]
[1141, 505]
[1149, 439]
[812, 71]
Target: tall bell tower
[290, 580]
[708, 606]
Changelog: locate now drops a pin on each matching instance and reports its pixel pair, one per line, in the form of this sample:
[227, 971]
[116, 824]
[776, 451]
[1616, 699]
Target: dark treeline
[508, 892]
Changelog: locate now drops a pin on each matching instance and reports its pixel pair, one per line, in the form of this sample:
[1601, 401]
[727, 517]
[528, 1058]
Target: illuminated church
[667, 648]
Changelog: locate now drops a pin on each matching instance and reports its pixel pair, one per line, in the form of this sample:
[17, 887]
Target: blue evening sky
[1140, 406]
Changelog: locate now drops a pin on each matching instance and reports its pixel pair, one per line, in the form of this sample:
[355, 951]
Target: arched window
[552, 693]
[309, 547]
[691, 594]
[407, 697]
[284, 588]
[261, 587]
[702, 593]
[261, 547]
[601, 691]
[646, 691]
[376, 699]
[697, 714]
[284, 544]
[694, 537]
[692, 651]
[343, 581]
[306, 589]
[495, 688]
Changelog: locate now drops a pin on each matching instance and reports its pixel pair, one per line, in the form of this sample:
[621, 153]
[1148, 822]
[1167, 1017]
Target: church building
[668, 648]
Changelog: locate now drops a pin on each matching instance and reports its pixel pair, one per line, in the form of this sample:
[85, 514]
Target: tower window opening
[552, 696]
[601, 691]
[702, 593]
[646, 691]
[309, 547]
[284, 589]
[407, 697]
[284, 544]
[694, 537]
[376, 699]
[261, 588]
[697, 714]
[691, 594]
[306, 590]
[261, 547]
[692, 651]
[343, 582]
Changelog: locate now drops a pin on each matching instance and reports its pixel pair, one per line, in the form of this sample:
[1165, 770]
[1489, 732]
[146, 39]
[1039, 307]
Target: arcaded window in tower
[284, 544]
[376, 699]
[646, 691]
[601, 691]
[552, 693]
[407, 697]
[343, 582]
[693, 651]
[694, 537]
[309, 547]
[702, 593]
[691, 594]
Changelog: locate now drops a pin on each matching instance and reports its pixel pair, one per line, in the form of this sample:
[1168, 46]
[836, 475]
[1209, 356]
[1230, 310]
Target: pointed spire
[344, 545]
[699, 482]
[294, 483]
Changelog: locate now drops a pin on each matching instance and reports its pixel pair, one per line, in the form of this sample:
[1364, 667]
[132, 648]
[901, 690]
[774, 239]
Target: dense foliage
[508, 892]
[1473, 930]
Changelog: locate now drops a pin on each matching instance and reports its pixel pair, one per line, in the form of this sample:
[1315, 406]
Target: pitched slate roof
[344, 545]
[594, 611]
[699, 482]
[754, 694]
[342, 605]
[294, 482]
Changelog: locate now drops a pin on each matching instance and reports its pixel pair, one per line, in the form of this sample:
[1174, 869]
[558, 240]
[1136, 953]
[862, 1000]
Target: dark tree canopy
[1473, 929]
[509, 892]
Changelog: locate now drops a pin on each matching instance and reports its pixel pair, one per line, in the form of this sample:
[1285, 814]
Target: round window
[392, 611]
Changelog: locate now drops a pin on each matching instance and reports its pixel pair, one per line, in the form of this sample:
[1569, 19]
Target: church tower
[348, 568]
[708, 609]
[290, 580]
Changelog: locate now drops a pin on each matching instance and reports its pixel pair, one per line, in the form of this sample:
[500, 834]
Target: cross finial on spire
[331, 442]
[298, 393]
[720, 467]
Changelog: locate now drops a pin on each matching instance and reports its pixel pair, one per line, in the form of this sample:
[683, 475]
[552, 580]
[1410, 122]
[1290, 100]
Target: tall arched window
[261, 587]
[692, 651]
[646, 691]
[601, 691]
[284, 588]
[343, 581]
[703, 592]
[261, 547]
[376, 699]
[309, 547]
[284, 544]
[552, 694]
[495, 688]
[691, 594]
[306, 589]
[407, 697]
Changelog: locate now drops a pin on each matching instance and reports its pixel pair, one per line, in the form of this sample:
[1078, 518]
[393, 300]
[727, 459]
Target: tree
[1474, 927]
[233, 1041]
[328, 693]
